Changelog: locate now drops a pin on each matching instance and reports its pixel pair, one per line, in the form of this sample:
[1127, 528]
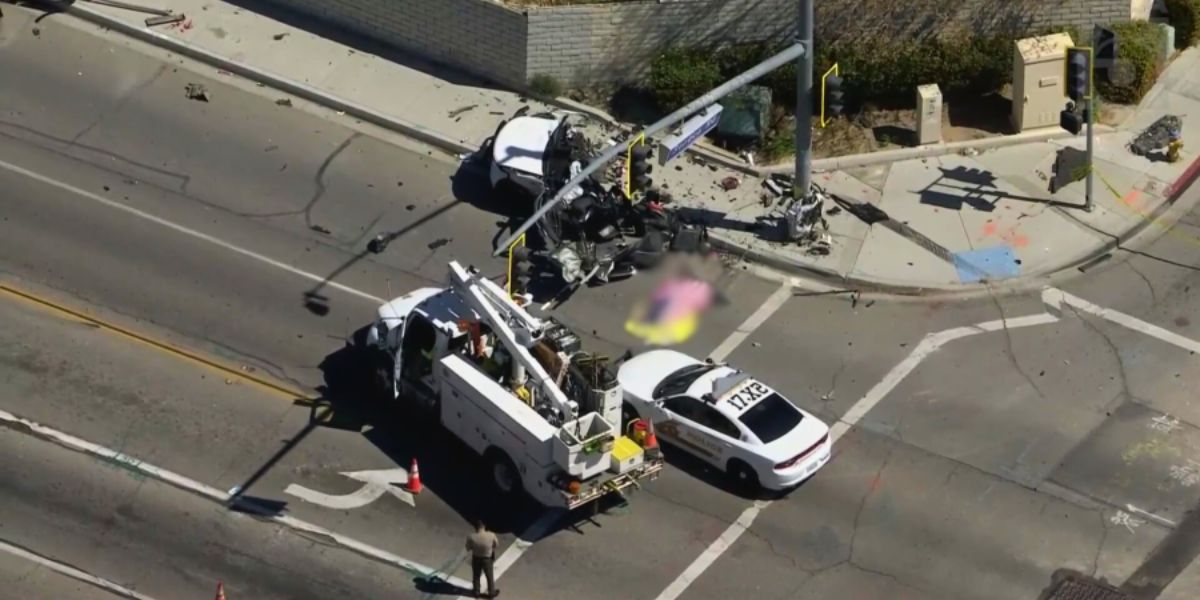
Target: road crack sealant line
[71, 442]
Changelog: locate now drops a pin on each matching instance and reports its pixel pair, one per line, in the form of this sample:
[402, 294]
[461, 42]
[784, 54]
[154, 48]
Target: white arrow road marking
[378, 483]
[67, 440]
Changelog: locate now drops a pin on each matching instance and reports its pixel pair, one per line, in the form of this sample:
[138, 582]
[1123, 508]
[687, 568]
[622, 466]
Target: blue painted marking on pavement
[998, 262]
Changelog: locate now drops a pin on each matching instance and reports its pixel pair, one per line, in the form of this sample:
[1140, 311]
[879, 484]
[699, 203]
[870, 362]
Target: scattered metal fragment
[458, 111]
[438, 243]
[133, 7]
[284, 102]
[196, 91]
[319, 229]
[164, 20]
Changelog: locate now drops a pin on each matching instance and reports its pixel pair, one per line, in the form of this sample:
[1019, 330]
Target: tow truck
[519, 390]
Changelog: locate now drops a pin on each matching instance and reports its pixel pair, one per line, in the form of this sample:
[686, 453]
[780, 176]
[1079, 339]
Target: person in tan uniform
[482, 545]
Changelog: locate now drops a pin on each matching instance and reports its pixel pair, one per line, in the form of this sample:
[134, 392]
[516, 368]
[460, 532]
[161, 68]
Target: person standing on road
[482, 544]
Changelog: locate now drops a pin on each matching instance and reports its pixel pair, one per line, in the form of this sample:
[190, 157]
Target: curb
[458, 147]
[280, 82]
[834, 278]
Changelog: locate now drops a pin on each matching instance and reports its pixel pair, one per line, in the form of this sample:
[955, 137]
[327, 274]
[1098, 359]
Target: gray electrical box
[1039, 93]
[929, 114]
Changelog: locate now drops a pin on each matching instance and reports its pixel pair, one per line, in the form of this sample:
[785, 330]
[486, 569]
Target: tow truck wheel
[505, 476]
[743, 475]
[382, 383]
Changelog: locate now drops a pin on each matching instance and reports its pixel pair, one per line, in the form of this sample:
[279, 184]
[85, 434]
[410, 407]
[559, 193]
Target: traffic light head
[640, 168]
[1071, 121]
[1079, 73]
[834, 101]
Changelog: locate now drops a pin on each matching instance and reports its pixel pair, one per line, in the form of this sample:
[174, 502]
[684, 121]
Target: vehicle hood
[393, 313]
[807, 432]
[640, 374]
[521, 143]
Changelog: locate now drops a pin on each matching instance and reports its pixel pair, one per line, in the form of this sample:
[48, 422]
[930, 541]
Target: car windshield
[771, 418]
[678, 382]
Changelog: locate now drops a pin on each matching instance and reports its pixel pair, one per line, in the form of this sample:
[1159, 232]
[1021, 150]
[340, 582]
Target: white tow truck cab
[518, 390]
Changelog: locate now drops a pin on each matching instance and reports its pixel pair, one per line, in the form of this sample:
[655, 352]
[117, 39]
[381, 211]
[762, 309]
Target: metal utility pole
[1091, 136]
[766, 66]
[804, 101]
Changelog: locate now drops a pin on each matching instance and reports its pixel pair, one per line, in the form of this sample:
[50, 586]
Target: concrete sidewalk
[955, 218]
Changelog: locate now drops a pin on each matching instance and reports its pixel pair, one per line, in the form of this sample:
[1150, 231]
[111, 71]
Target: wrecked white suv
[534, 154]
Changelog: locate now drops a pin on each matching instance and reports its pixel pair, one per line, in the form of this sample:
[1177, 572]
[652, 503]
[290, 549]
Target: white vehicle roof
[735, 393]
[521, 143]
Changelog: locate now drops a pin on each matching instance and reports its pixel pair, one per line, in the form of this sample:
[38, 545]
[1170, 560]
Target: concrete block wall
[614, 42]
[602, 43]
[478, 36]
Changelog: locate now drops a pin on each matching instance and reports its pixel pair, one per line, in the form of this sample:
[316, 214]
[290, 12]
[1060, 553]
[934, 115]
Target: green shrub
[680, 75]
[546, 86]
[1185, 18]
[1139, 62]
[887, 71]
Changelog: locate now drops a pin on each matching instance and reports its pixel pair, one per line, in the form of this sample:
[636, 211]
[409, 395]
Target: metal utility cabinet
[929, 114]
[1038, 87]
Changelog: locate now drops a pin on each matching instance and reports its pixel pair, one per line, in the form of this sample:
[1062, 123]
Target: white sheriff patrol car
[725, 417]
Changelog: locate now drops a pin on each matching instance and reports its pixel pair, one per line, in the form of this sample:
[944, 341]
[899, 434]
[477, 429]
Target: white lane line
[929, 344]
[752, 323]
[1055, 298]
[187, 231]
[73, 573]
[524, 541]
[69, 441]
[714, 551]
[1149, 515]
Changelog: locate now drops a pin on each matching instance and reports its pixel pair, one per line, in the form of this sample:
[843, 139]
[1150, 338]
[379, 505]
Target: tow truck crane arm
[516, 329]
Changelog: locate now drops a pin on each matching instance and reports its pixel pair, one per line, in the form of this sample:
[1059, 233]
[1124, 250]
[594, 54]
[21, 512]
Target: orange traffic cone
[651, 439]
[414, 478]
[220, 591]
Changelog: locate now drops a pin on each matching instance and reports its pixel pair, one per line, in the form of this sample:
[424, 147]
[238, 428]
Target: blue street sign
[693, 129]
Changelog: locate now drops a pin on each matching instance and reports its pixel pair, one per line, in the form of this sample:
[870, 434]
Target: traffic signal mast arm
[788, 55]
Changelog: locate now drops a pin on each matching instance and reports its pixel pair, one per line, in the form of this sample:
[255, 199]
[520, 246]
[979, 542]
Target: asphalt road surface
[1036, 433]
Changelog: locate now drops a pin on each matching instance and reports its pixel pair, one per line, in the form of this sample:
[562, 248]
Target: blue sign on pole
[693, 129]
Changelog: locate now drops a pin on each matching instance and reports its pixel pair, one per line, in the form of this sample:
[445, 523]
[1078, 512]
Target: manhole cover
[1085, 588]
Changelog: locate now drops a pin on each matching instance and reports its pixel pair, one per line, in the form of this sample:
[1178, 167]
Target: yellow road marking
[166, 347]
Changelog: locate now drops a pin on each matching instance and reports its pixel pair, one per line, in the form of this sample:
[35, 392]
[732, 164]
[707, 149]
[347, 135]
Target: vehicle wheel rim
[503, 477]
